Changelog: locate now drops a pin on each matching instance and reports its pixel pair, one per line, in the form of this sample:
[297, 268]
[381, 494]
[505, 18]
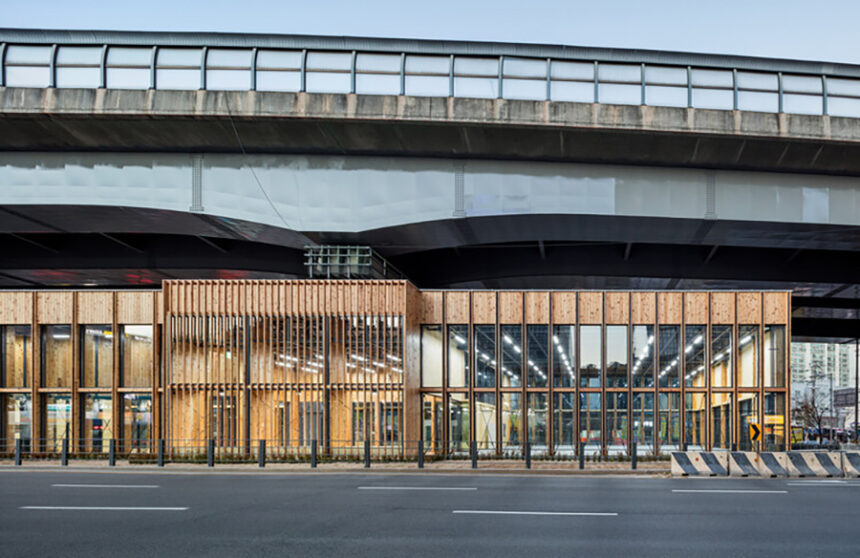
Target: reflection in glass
[512, 355]
[431, 356]
[774, 356]
[643, 355]
[485, 421]
[694, 355]
[564, 423]
[537, 415]
[643, 422]
[512, 422]
[721, 356]
[431, 425]
[58, 419]
[458, 422]
[56, 356]
[695, 421]
[721, 420]
[748, 356]
[136, 355]
[136, 421]
[747, 415]
[485, 356]
[96, 356]
[589, 421]
[774, 422]
[97, 422]
[590, 353]
[15, 353]
[616, 356]
[616, 423]
[669, 430]
[458, 356]
[563, 342]
[670, 364]
[17, 422]
[538, 361]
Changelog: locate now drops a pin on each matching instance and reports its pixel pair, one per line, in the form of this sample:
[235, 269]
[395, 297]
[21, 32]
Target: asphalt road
[206, 514]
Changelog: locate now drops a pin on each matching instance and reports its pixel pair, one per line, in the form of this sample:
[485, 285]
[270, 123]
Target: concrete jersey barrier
[773, 464]
[814, 464]
[851, 463]
[699, 463]
[744, 464]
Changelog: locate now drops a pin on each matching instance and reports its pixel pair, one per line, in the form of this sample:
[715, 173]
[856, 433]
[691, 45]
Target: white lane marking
[415, 488]
[99, 508]
[105, 485]
[492, 512]
[821, 483]
[736, 491]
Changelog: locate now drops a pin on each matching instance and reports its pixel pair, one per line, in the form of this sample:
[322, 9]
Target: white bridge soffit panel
[354, 194]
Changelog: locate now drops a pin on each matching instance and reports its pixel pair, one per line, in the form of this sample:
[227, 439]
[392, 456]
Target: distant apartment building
[825, 360]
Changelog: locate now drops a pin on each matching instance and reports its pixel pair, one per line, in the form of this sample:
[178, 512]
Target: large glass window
[136, 356]
[538, 359]
[431, 356]
[774, 356]
[721, 420]
[643, 422]
[564, 423]
[695, 417]
[389, 422]
[485, 356]
[431, 425]
[564, 343]
[774, 422]
[643, 355]
[17, 421]
[670, 365]
[616, 422]
[748, 355]
[458, 356]
[694, 355]
[512, 355]
[15, 356]
[512, 422]
[363, 422]
[485, 421]
[136, 421]
[589, 421]
[669, 428]
[96, 356]
[590, 356]
[458, 422]
[537, 421]
[721, 356]
[616, 356]
[747, 415]
[57, 420]
[96, 422]
[56, 356]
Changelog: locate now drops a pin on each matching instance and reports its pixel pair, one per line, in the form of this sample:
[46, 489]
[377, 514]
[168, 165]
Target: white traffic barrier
[814, 464]
[851, 463]
[743, 464]
[773, 464]
[700, 463]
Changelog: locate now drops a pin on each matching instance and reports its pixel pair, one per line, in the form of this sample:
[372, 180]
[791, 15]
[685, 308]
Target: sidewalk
[658, 468]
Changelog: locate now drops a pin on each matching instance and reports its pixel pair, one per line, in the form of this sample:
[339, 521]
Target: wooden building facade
[344, 362]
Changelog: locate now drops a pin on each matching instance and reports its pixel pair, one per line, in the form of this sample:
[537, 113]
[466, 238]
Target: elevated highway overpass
[132, 157]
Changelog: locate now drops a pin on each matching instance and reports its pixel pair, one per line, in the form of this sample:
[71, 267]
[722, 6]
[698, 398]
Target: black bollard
[528, 455]
[18, 452]
[112, 453]
[161, 453]
[581, 455]
[473, 450]
[633, 457]
[420, 454]
[64, 458]
[261, 458]
[367, 454]
[210, 453]
[313, 454]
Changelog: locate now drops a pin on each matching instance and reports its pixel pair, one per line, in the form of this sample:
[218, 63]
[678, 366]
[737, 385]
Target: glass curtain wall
[590, 356]
[512, 356]
[669, 429]
[643, 354]
[564, 423]
[15, 356]
[694, 356]
[748, 415]
[537, 422]
[616, 423]
[96, 356]
[512, 423]
[564, 344]
[538, 357]
[485, 356]
[57, 356]
[616, 357]
[97, 423]
[458, 423]
[670, 365]
[695, 421]
[136, 356]
[17, 421]
[774, 356]
[590, 421]
[643, 422]
[458, 356]
[136, 422]
[485, 422]
[721, 420]
[431, 356]
[748, 356]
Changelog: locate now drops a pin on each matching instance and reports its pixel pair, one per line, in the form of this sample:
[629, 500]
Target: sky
[821, 30]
